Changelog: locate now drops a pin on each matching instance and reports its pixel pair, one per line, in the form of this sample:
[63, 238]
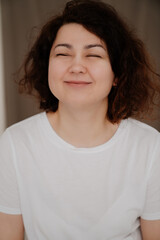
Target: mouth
[77, 83]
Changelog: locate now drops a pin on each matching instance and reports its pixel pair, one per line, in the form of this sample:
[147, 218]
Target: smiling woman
[84, 168]
[80, 73]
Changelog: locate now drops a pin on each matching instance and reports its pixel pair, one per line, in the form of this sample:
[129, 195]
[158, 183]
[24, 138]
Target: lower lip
[77, 84]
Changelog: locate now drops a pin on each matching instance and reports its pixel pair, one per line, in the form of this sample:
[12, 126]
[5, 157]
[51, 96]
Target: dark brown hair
[135, 88]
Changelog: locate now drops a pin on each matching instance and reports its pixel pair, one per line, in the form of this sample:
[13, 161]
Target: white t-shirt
[69, 193]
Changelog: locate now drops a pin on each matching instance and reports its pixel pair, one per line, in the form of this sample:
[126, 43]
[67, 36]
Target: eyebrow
[94, 45]
[63, 45]
[69, 46]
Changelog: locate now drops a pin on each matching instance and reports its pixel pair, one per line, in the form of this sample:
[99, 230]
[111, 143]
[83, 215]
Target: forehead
[74, 33]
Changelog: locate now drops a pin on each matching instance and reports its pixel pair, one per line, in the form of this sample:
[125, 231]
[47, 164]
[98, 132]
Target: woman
[84, 168]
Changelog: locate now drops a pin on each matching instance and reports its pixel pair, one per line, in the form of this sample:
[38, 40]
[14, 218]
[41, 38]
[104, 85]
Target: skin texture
[150, 229]
[11, 227]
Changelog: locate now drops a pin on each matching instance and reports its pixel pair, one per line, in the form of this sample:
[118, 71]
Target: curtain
[20, 23]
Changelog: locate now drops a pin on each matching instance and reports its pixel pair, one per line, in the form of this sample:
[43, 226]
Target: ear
[115, 81]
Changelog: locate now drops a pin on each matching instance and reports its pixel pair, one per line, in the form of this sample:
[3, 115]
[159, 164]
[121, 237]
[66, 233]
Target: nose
[77, 66]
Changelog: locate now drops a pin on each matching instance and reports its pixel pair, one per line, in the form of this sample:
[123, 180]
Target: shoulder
[142, 129]
[27, 124]
[25, 128]
[139, 133]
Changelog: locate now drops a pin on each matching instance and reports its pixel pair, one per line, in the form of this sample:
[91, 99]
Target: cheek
[52, 76]
[54, 73]
[52, 70]
[103, 74]
[56, 70]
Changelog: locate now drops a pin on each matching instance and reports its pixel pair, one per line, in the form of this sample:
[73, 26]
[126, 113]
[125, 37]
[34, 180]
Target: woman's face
[80, 72]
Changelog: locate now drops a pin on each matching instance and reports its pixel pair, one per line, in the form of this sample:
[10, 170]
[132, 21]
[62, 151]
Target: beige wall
[2, 92]
[18, 19]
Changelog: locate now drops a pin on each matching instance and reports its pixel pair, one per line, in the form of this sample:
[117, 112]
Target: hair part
[136, 85]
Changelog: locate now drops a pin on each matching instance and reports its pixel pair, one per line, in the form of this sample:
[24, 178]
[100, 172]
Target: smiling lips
[77, 83]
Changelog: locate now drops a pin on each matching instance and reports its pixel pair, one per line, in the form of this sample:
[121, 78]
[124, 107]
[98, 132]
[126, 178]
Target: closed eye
[94, 55]
[62, 54]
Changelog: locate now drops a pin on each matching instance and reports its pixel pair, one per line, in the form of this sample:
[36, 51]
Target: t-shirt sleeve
[9, 195]
[151, 209]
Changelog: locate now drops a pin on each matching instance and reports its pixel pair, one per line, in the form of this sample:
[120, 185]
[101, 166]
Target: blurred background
[20, 21]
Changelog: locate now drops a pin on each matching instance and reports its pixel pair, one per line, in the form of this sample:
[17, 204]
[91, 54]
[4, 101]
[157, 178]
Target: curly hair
[136, 85]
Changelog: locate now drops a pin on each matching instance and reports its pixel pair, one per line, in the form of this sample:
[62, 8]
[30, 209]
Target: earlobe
[115, 82]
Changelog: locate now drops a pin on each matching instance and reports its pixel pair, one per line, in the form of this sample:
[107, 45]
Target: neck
[82, 127]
